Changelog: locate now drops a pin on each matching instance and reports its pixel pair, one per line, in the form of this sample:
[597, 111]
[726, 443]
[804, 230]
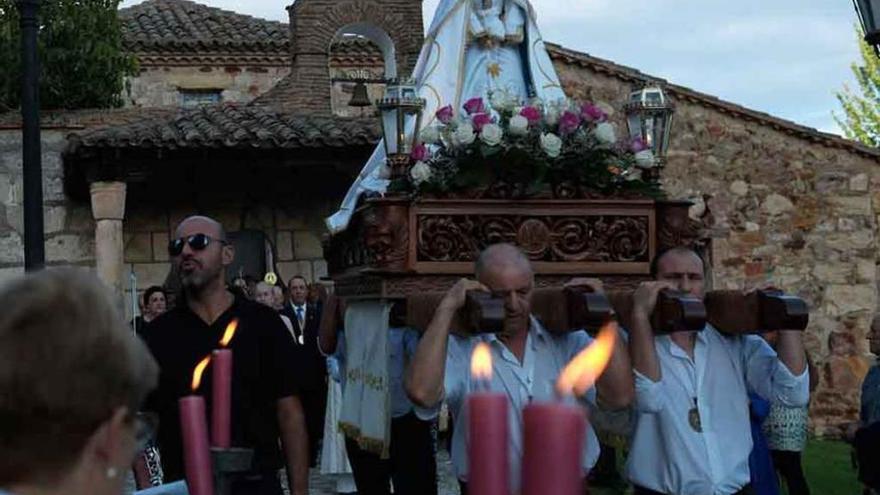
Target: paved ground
[325, 485]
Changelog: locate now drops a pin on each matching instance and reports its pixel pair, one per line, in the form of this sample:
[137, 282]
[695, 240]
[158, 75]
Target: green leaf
[82, 61]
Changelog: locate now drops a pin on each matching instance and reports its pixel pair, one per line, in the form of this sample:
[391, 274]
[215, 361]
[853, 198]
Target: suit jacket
[314, 364]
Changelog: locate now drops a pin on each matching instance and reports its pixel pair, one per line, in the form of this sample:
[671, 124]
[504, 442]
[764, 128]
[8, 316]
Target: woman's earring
[111, 473]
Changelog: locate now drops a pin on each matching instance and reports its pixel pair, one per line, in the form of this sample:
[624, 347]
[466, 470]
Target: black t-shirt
[265, 368]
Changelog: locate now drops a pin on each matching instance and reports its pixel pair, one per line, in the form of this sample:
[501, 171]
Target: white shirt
[667, 454]
[535, 378]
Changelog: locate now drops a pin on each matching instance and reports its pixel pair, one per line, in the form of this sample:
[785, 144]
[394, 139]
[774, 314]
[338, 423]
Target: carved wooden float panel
[559, 236]
[398, 236]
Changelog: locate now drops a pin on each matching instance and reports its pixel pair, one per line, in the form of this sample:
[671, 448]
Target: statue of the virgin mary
[472, 49]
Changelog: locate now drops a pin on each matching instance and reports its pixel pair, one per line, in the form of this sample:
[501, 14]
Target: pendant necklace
[694, 418]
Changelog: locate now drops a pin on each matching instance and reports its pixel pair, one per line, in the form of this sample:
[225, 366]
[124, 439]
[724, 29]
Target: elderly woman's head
[71, 381]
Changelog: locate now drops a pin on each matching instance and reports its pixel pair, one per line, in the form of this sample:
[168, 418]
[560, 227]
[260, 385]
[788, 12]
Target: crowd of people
[705, 412]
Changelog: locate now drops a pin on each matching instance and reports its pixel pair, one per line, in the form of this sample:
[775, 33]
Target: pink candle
[553, 449]
[554, 432]
[221, 397]
[196, 452]
[488, 465]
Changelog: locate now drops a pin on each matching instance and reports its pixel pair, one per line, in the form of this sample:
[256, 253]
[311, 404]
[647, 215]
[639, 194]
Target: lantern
[401, 113]
[869, 16]
[649, 118]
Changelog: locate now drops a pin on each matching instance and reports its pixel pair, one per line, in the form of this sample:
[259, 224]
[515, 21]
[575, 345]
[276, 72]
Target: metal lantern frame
[869, 18]
[401, 114]
[649, 116]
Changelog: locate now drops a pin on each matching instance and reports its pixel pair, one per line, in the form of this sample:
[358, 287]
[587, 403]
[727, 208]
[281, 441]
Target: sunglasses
[196, 242]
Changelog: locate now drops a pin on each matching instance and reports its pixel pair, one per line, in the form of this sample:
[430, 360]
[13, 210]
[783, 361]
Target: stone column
[108, 209]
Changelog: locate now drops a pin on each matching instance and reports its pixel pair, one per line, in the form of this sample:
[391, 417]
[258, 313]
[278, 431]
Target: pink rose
[531, 113]
[481, 119]
[568, 123]
[592, 113]
[419, 153]
[474, 105]
[445, 114]
[638, 144]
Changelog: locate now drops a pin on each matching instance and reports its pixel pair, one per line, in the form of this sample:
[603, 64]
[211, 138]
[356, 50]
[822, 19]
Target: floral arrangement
[507, 149]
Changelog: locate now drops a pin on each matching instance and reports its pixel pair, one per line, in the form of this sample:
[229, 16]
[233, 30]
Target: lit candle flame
[229, 333]
[481, 362]
[197, 373]
[582, 372]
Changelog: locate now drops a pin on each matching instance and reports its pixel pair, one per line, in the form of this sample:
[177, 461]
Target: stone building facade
[782, 203]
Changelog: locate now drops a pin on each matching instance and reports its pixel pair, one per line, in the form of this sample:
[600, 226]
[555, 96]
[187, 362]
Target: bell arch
[394, 26]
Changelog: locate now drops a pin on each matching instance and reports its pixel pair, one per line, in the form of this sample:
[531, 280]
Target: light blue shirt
[534, 379]
[402, 343]
[667, 454]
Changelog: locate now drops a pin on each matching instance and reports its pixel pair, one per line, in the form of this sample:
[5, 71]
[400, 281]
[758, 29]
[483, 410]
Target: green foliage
[82, 62]
[861, 119]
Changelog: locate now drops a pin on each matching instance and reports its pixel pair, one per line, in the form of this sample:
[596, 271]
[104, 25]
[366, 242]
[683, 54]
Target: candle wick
[482, 385]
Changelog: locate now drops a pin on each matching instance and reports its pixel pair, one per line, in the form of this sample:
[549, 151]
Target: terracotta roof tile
[234, 127]
[181, 26]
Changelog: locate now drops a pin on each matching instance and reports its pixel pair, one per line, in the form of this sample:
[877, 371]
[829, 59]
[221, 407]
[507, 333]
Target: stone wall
[785, 210]
[69, 227]
[160, 86]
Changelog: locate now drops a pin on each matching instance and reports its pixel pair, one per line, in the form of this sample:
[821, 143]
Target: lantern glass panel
[634, 122]
[389, 127]
[651, 128]
[409, 121]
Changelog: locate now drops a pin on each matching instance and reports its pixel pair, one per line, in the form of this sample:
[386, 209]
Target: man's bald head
[507, 273]
[205, 225]
[500, 257]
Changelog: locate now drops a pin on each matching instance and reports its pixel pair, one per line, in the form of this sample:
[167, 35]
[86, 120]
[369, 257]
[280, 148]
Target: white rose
[633, 174]
[464, 134]
[430, 135]
[420, 172]
[519, 125]
[491, 134]
[496, 99]
[605, 134]
[551, 144]
[644, 159]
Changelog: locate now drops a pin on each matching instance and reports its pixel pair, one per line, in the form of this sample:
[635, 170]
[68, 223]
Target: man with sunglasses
[265, 392]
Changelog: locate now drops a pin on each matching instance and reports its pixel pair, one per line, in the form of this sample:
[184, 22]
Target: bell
[359, 97]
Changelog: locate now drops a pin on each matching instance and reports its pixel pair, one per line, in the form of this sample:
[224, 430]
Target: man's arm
[614, 388]
[641, 335]
[770, 376]
[294, 441]
[426, 373]
[790, 348]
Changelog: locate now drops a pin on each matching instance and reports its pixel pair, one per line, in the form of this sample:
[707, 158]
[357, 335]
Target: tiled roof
[231, 127]
[682, 93]
[182, 26]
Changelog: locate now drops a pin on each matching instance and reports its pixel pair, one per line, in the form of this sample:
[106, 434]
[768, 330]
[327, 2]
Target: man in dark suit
[306, 319]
